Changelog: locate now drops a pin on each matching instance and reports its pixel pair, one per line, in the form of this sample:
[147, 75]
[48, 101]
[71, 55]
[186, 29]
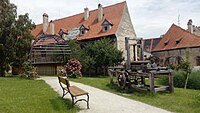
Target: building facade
[112, 22]
[176, 45]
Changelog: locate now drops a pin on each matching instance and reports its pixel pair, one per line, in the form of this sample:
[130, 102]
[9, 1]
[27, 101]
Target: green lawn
[19, 95]
[181, 101]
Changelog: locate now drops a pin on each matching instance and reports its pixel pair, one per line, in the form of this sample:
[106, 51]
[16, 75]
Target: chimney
[190, 26]
[86, 13]
[100, 12]
[45, 22]
[51, 27]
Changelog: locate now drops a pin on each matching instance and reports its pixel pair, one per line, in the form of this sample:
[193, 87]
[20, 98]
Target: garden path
[105, 102]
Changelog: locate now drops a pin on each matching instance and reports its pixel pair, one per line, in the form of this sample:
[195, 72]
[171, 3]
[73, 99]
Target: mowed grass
[19, 95]
[181, 101]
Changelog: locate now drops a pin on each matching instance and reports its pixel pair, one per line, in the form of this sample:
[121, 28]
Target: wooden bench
[73, 91]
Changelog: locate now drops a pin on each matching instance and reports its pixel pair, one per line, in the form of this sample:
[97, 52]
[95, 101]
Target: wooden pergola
[49, 49]
[48, 54]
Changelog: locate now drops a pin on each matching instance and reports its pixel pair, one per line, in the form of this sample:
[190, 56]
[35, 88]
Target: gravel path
[105, 102]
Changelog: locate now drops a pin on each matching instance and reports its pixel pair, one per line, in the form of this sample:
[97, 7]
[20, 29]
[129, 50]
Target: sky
[150, 18]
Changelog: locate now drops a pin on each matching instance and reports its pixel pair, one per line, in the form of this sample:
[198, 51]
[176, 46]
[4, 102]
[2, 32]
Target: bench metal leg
[87, 101]
[74, 102]
[64, 92]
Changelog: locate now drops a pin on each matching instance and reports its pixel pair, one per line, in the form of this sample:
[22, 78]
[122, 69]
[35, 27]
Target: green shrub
[194, 80]
[163, 80]
[179, 80]
[29, 70]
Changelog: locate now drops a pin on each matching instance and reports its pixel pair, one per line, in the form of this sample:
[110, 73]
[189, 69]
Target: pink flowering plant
[73, 68]
[62, 72]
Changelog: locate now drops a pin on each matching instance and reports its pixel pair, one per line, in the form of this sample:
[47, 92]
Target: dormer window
[106, 25]
[105, 28]
[83, 30]
[178, 40]
[62, 32]
[166, 42]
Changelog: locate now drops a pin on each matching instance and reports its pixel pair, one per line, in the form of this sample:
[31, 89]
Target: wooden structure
[133, 74]
[48, 52]
[73, 91]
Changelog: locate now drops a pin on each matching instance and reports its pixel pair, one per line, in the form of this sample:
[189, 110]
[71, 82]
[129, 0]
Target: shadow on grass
[134, 91]
[60, 103]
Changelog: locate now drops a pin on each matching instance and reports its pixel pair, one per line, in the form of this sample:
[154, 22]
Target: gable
[177, 38]
[106, 22]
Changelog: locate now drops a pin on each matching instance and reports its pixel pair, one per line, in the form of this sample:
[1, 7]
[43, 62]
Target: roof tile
[112, 13]
[185, 38]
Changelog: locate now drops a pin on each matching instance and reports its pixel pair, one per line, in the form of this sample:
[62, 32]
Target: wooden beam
[51, 50]
[52, 53]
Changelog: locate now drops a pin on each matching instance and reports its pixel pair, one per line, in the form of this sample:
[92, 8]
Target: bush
[179, 80]
[29, 70]
[78, 54]
[194, 80]
[72, 69]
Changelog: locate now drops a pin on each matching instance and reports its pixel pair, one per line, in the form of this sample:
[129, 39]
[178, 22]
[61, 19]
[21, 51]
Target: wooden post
[110, 75]
[151, 80]
[134, 53]
[143, 80]
[141, 50]
[128, 63]
[171, 82]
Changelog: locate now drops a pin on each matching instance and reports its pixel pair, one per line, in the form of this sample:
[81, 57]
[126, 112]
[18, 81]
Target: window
[60, 32]
[198, 60]
[105, 28]
[83, 30]
[106, 25]
[178, 40]
[166, 42]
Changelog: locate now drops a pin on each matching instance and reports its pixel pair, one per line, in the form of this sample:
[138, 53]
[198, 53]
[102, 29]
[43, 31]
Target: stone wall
[125, 29]
[193, 53]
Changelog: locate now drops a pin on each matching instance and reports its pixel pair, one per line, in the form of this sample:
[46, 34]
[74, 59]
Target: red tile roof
[112, 13]
[177, 38]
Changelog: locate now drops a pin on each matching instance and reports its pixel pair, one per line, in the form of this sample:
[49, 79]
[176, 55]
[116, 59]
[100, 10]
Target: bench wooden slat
[64, 81]
[75, 91]
[72, 90]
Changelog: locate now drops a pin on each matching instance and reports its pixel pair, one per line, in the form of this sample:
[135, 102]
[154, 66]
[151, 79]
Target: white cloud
[150, 18]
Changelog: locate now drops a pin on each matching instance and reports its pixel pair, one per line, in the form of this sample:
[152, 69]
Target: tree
[79, 54]
[185, 66]
[104, 54]
[15, 36]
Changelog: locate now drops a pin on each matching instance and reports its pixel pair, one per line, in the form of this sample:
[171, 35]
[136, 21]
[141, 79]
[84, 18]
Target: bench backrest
[64, 81]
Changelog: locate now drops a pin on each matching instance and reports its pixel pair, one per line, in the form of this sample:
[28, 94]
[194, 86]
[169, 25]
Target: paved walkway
[105, 102]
